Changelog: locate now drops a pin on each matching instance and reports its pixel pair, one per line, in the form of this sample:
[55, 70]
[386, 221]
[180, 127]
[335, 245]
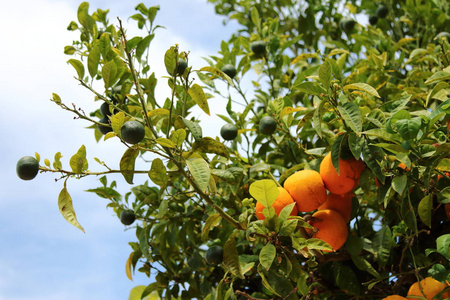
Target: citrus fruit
[230, 70]
[104, 129]
[340, 203]
[27, 168]
[283, 200]
[258, 47]
[267, 125]
[394, 297]
[229, 132]
[430, 287]
[330, 227]
[443, 34]
[214, 255]
[127, 217]
[181, 66]
[132, 132]
[373, 20]
[382, 11]
[346, 180]
[307, 189]
[347, 24]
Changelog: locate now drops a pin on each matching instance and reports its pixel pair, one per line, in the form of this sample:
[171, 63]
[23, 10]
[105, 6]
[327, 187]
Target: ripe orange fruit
[307, 189]
[346, 180]
[331, 227]
[430, 286]
[283, 200]
[340, 203]
[394, 297]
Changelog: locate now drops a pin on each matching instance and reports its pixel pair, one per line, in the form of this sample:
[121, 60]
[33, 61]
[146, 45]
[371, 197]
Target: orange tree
[328, 81]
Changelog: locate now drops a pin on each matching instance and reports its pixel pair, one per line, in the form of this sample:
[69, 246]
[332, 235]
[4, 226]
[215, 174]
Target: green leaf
[127, 164]
[210, 145]
[57, 163]
[364, 265]
[217, 72]
[286, 212]
[351, 114]
[338, 145]
[310, 88]
[317, 117]
[288, 226]
[355, 144]
[438, 76]
[408, 128]
[231, 256]
[66, 208]
[93, 60]
[165, 142]
[199, 169]
[117, 121]
[78, 65]
[254, 15]
[408, 214]
[362, 87]
[267, 255]
[178, 137]
[212, 221]
[346, 279]
[370, 155]
[444, 195]
[325, 74]
[425, 209]
[143, 45]
[264, 191]
[170, 60]
[158, 173]
[194, 128]
[109, 73]
[196, 92]
[78, 161]
[382, 244]
[443, 245]
[399, 184]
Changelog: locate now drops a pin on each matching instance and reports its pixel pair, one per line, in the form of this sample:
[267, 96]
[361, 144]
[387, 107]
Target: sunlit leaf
[127, 164]
[66, 208]
[196, 92]
[264, 191]
[425, 209]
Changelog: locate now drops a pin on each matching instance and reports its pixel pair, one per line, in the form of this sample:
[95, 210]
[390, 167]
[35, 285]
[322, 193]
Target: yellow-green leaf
[219, 73]
[78, 67]
[199, 169]
[66, 208]
[127, 164]
[196, 92]
[128, 266]
[264, 191]
[362, 87]
[290, 110]
[165, 142]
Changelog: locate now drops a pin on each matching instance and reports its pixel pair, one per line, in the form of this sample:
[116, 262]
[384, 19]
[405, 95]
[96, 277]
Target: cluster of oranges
[308, 189]
[427, 288]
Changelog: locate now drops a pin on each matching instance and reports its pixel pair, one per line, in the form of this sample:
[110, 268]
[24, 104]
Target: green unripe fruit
[27, 168]
[181, 66]
[441, 35]
[230, 70]
[104, 109]
[127, 217]
[132, 132]
[347, 24]
[104, 129]
[373, 20]
[258, 47]
[382, 11]
[267, 125]
[229, 132]
[214, 255]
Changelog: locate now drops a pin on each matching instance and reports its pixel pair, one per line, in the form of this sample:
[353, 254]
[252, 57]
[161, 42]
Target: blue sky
[41, 255]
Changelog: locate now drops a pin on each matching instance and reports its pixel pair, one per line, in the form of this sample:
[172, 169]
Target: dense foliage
[327, 80]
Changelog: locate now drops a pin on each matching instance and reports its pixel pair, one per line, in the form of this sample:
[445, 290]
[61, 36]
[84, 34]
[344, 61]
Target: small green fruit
[267, 125]
[382, 11]
[347, 24]
[127, 217]
[181, 66]
[258, 47]
[373, 20]
[230, 70]
[229, 132]
[27, 168]
[442, 35]
[214, 255]
[132, 132]
[104, 129]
